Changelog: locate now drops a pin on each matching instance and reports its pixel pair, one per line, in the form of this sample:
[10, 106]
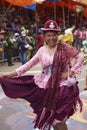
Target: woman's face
[51, 38]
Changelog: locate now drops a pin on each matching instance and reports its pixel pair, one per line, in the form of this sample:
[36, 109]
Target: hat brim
[48, 29]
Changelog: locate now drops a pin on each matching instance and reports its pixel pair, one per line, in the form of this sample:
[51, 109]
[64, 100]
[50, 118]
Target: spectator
[8, 43]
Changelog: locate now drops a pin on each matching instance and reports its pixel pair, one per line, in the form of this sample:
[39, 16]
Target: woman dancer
[54, 93]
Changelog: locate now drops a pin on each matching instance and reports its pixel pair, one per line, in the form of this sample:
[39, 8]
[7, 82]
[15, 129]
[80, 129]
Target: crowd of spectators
[15, 33]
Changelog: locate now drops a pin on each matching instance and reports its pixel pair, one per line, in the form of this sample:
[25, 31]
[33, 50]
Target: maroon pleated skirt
[24, 87]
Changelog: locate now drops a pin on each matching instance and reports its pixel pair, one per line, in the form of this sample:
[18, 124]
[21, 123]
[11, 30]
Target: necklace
[51, 51]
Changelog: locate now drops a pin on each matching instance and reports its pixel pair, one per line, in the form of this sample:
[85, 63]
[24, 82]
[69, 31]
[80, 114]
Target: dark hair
[49, 31]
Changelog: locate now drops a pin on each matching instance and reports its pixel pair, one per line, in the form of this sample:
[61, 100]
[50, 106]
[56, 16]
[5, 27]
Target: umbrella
[30, 4]
[32, 7]
[23, 2]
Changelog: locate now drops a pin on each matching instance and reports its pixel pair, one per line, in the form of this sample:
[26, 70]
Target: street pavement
[17, 114]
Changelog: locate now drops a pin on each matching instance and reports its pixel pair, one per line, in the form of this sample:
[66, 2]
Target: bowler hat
[51, 25]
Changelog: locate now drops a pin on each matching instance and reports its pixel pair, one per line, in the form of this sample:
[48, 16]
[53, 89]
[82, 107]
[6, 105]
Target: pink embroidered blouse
[45, 60]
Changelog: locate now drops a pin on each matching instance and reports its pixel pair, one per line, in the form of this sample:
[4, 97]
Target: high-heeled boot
[55, 127]
[60, 126]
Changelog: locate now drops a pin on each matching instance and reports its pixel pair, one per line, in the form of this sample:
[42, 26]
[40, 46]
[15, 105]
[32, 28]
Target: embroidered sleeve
[79, 58]
[77, 66]
[70, 50]
[33, 61]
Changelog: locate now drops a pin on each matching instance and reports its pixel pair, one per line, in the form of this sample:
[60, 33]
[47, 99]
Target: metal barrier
[2, 54]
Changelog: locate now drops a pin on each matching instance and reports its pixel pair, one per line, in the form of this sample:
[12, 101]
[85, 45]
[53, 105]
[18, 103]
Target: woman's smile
[51, 38]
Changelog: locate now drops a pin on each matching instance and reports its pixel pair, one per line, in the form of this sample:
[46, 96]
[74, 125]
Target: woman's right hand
[5, 76]
[10, 75]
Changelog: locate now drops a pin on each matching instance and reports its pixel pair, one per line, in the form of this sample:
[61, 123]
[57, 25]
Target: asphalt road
[15, 114]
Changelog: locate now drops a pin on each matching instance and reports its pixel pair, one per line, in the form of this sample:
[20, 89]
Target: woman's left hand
[65, 75]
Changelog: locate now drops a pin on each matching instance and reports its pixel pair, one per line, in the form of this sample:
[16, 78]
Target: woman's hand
[5, 76]
[65, 75]
[10, 75]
